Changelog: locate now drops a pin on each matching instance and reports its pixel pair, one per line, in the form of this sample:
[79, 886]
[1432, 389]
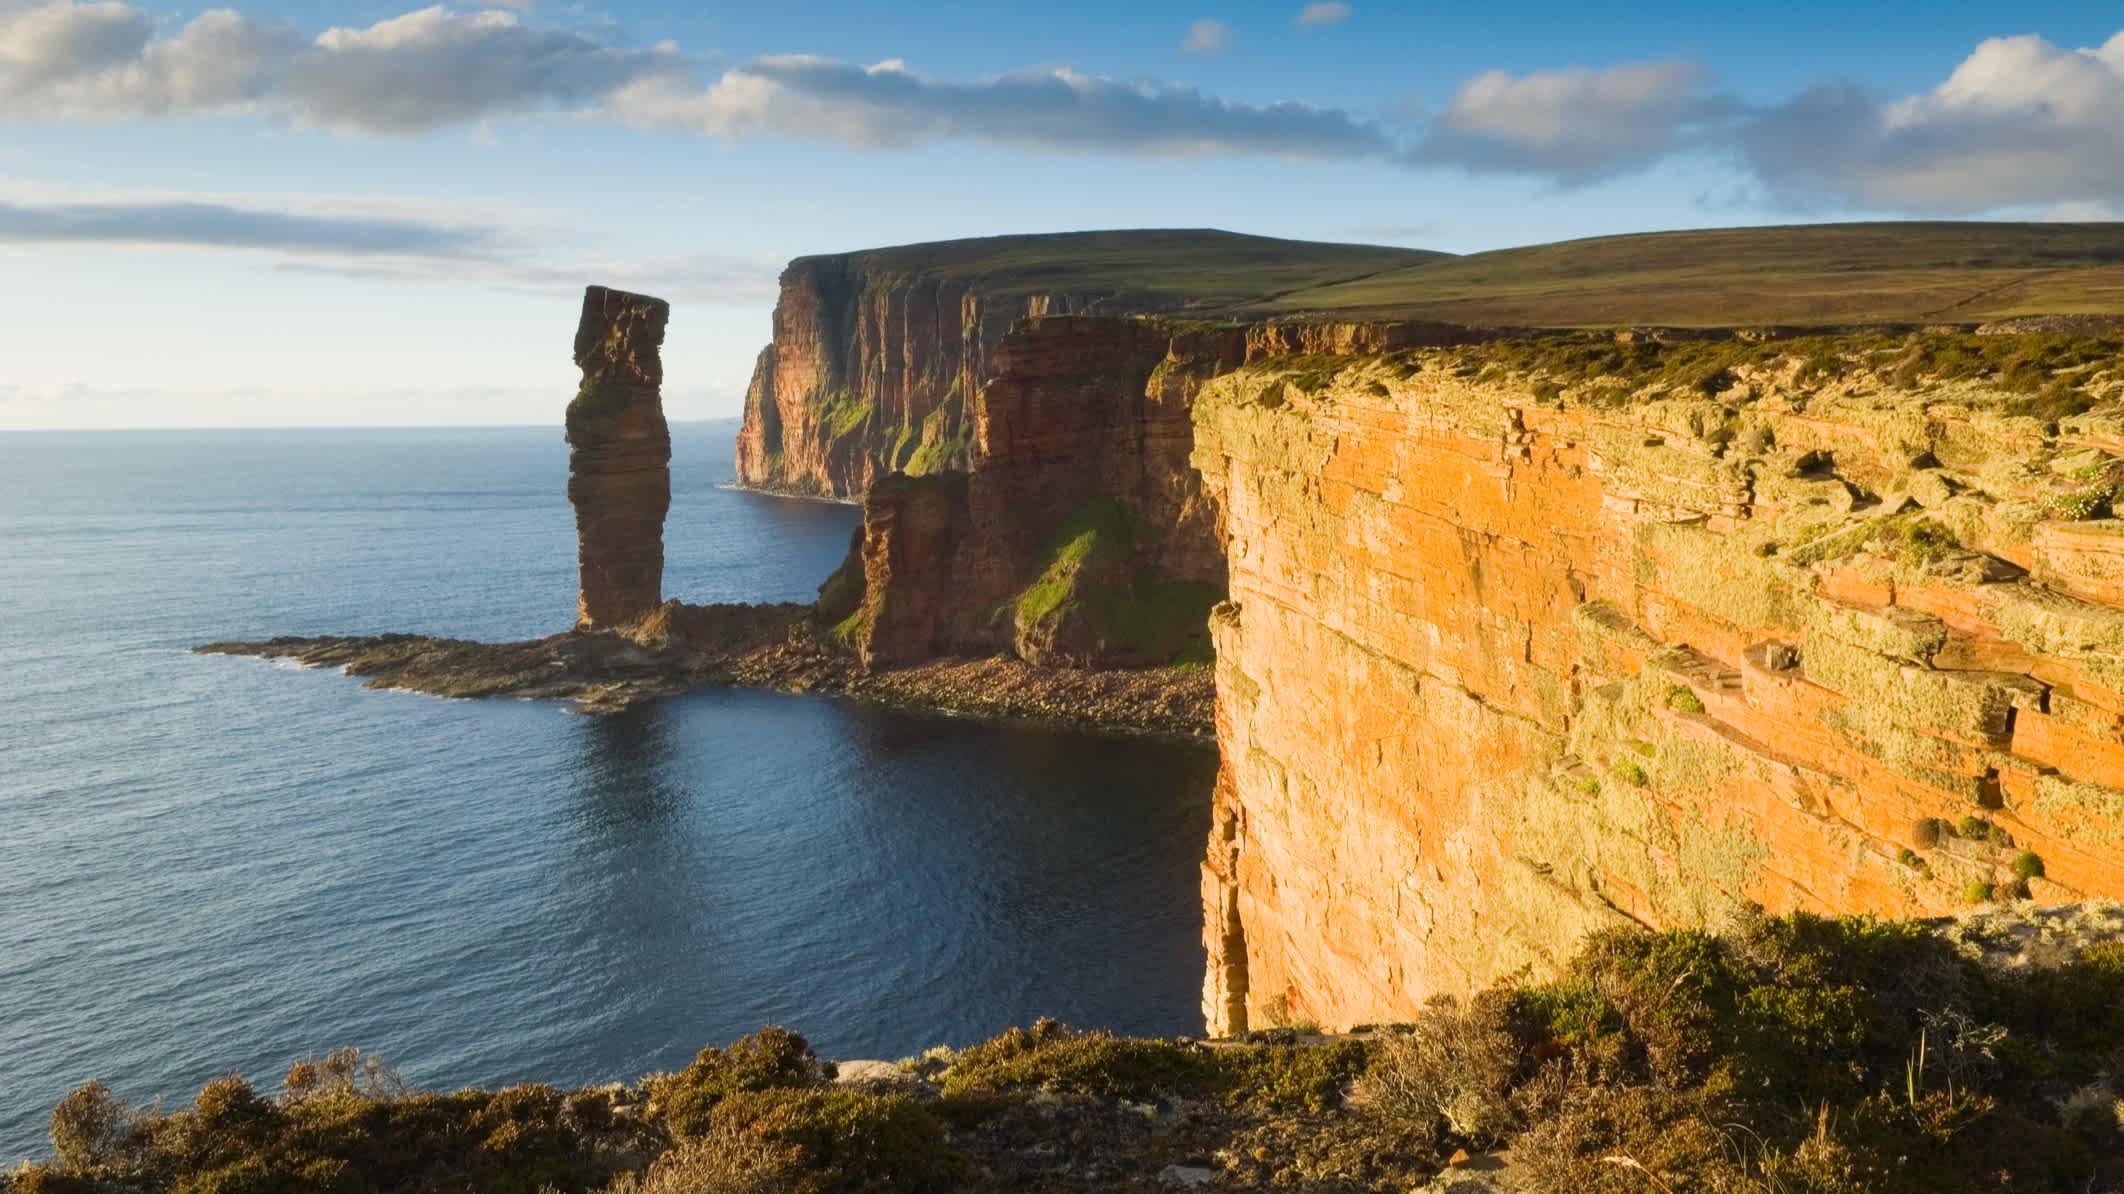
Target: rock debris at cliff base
[681, 648]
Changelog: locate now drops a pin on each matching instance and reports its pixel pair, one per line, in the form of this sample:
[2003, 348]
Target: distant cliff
[877, 356]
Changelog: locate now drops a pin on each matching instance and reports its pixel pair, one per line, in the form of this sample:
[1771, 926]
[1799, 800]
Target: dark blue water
[210, 864]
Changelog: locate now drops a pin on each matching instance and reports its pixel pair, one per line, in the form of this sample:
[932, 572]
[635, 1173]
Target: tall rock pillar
[619, 458]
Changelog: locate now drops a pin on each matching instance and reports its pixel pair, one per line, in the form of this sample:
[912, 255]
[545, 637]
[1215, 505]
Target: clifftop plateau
[876, 355]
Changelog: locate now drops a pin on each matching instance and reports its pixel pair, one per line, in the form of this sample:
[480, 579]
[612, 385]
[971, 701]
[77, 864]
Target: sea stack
[619, 458]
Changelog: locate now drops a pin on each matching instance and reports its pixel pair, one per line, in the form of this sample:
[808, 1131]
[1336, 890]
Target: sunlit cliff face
[1498, 669]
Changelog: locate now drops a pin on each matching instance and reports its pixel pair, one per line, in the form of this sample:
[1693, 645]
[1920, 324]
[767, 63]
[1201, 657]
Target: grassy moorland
[1809, 274]
[1195, 268]
[1785, 1055]
[1824, 274]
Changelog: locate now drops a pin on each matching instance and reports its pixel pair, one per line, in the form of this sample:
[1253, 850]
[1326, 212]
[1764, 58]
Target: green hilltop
[1195, 268]
[1818, 274]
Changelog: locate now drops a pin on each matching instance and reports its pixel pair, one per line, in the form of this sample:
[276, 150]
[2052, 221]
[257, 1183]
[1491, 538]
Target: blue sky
[306, 213]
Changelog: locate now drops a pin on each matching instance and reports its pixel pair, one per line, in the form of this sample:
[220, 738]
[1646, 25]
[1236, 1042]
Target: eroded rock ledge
[680, 648]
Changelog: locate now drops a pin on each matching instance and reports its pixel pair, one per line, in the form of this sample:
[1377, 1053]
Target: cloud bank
[199, 224]
[888, 106]
[2019, 123]
[326, 236]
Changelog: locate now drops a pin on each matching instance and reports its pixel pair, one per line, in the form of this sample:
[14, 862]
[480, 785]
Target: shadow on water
[622, 781]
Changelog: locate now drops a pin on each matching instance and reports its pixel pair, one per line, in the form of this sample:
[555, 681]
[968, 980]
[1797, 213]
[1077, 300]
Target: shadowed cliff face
[870, 374]
[619, 475]
[1079, 536]
[1508, 658]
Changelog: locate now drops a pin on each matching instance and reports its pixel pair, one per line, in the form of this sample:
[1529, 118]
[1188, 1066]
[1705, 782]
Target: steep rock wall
[873, 372]
[1079, 535]
[619, 457]
[1505, 661]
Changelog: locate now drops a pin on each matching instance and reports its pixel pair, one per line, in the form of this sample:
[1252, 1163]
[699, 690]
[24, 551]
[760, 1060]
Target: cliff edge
[877, 355]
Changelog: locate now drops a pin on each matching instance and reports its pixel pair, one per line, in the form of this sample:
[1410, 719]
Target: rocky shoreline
[680, 648]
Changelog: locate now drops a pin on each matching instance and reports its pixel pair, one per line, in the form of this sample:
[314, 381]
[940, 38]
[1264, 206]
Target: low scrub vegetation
[1784, 1055]
[2042, 376]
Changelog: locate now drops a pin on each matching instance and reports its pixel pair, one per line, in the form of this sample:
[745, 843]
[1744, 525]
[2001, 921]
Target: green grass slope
[1807, 274]
[1197, 268]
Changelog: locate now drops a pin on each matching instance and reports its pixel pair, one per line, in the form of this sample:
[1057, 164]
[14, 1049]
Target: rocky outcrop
[878, 356]
[873, 373]
[1079, 536]
[619, 457]
[1513, 652]
[678, 648]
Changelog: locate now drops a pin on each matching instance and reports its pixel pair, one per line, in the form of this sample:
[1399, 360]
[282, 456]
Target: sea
[213, 864]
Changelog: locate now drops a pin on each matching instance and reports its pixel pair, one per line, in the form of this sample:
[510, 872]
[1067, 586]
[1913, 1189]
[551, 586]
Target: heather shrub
[348, 1073]
[1452, 1071]
[842, 1142]
[93, 1130]
[1049, 1056]
[723, 1159]
[772, 1058]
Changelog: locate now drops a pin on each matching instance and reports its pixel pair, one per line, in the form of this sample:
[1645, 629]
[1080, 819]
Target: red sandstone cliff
[1079, 534]
[619, 456]
[878, 356]
[871, 374]
[1508, 658]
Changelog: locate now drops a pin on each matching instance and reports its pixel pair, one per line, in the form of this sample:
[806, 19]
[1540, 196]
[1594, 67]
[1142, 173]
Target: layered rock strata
[870, 375]
[619, 457]
[1079, 536]
[878, 356]
[1508, 658]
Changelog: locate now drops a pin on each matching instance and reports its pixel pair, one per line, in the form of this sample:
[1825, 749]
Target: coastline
[765, 491]
[682, 648]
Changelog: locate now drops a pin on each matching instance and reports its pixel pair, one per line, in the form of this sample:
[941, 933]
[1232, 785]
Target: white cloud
[2020, 121]
[419, 71]
[1328, 12]
[103, 60]
[888, 106]
[435, 67]
[1576, 125]
[1206, 36]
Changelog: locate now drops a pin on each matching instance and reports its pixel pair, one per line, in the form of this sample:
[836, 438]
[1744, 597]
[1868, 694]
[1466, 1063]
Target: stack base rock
[619, 459]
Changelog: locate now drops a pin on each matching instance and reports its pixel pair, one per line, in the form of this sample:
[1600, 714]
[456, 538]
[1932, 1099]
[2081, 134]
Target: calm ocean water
[210, 864]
